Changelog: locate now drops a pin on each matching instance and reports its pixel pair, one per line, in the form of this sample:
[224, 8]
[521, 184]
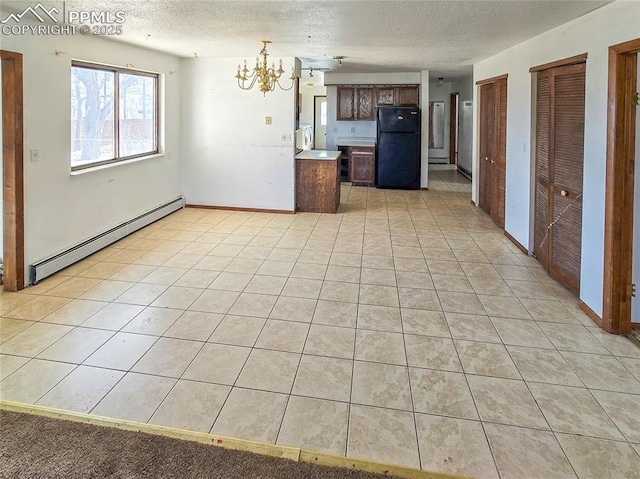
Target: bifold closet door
[487, 141]
[559, 172]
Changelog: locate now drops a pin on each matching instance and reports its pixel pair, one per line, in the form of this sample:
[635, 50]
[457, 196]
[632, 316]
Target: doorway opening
[12, 172]
[320, 122]
[621, 180]
[454, 128]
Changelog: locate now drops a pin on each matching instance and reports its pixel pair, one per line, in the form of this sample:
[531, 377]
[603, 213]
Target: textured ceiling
[445, 36]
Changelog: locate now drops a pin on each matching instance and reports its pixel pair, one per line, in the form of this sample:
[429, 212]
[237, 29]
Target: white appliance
[304, 137]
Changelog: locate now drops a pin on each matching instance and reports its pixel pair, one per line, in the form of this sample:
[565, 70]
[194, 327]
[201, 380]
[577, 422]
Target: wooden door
[384, 95]
[559, 172]
[493, 148]
[365, 104]
[362, 166]
[346, 97]
[407, 96]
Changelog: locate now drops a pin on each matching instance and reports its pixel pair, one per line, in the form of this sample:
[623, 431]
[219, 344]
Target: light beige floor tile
[238, 330]
[345, 274]
[309, 271]
[442, 393]
[380, 346]
[574, 411]
[506, 401]
[549, 311]
[37, 308]
[419, 299]
[215, 301]
[430, 323]
[518, 332]
[323, 377]
[276, 268]
[269, 371]
[217, 363]
[460, 303]
[82, 389]
[194, 325]
[486, 271]
[10, 364]
[521, 452]
[380, 277]
[10, 327]
[330, 341]
[379, 295]
[266, 285]
[504, 307]
[315, 424]
[287, 336]
[433, 353]
[142, 294]
[490, 286]
[622, 409]
[213, 263]
[294, 309]
[520, 273]
[632, 365]
[252, 415]
[445, 267]
[101, 270]
[597, 458]
[34, 339]
[197, 278]
[226, 250]
[380, 318]
[617, 345]
[153, 321]
[168, 357]
[382, 385]
[135, 397]
[227, 281]
[164, 275]
[337, 291]
[257, 305]
[191, 405]
[448, 282]
[486, 359]
[454, 446]
[76, 346]
[531, 290]
[302, 288]
[107, 290]
[472, 327]
[113, 316]
[543, 366]
[177, 297]
[602, 372]
[416, 280]
[72, 288]
[411, 265]
[383, 435]
[567, 337]
[122, 351]
[346, 259]
[285, 254]
[33, 380]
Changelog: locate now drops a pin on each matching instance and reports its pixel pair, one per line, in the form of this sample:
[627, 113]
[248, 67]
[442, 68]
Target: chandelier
[268, 77]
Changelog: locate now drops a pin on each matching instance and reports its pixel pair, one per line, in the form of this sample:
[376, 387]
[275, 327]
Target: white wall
[62, 210]
[336, 78]
[464, 86]
[442, 92]
[592, 33]
[230, 157]
[424, 137]
[318, 89]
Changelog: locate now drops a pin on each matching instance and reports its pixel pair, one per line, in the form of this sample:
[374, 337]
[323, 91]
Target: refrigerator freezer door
[398, 119]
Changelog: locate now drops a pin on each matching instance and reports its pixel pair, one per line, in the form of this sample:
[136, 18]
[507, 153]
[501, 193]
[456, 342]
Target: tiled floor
[404, 329]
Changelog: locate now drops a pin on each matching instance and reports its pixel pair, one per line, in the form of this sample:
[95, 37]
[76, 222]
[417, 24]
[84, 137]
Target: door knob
[564, 192]
[486, 158]
[492, 161]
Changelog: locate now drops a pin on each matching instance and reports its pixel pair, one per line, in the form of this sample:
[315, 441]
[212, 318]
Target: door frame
[314, 119]
[12, 171]
[454, 123]
[619, 189]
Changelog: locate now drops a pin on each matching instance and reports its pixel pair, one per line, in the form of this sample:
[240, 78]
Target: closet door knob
[564, 192]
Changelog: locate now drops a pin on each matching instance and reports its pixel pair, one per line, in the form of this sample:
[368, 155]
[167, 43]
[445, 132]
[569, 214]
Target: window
[114, 114]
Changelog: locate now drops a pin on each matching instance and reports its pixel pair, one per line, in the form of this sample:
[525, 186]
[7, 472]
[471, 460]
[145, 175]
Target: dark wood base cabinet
[317, 185]
[362, 165]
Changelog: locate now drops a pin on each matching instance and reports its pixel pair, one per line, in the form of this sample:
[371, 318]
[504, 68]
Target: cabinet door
[385, 96]
[407, 96]
[345, 110]
[362, 166]
[365, 103]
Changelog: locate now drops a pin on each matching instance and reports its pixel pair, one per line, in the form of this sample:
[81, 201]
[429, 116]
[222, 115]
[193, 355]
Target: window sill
[118, 163]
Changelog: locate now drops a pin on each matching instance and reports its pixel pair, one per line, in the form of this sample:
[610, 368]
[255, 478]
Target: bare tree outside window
[96, 93]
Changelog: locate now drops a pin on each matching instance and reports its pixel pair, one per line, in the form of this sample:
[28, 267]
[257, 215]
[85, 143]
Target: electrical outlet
[353, 129]
[35, 154]
[267, 120]
[285, 138]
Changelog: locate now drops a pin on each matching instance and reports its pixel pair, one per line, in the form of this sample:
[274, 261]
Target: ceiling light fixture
[269, 77]
[311, 72]
[339, 58]
[440, 81]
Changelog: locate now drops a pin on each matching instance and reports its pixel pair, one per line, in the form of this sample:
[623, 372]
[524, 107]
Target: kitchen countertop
[318, 155]
[355, 141]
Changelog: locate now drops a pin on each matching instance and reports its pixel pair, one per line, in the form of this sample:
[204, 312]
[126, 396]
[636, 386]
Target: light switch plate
[267, 120]
[35, 154]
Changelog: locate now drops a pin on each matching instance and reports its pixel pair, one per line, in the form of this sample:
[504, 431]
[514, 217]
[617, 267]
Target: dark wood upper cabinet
[407, 96]
[346, 103]
[385, 95]
[365, 103]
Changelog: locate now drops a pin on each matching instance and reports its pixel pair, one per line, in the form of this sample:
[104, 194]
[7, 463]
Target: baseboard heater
[464, 172]
[49, 266]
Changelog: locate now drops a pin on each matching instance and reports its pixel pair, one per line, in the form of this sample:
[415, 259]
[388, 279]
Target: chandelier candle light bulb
[268, 77]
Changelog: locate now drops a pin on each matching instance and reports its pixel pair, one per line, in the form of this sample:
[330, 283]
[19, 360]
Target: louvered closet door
[487, 141]
[559, 172]
[500, 153]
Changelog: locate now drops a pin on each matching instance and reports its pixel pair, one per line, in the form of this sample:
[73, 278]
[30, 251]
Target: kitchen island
[318, 181]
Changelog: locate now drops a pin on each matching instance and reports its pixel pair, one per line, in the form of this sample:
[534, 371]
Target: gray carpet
[40, 447]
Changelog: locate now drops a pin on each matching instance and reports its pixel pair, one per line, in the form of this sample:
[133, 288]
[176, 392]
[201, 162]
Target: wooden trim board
[12, 171]
[235, 208]
[492, 79]
[590, 312]
[517, 243]
[560, 63]
[291, 453]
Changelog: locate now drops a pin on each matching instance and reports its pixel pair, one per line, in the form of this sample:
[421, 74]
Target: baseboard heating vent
[49, 266]
[463, 171]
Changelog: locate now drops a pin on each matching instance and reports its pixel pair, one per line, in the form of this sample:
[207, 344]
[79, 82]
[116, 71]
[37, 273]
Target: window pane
[323, 113]
[137, 114]
[92, 129]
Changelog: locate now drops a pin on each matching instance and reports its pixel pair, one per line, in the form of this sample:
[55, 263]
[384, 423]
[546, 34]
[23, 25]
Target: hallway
[405, 329]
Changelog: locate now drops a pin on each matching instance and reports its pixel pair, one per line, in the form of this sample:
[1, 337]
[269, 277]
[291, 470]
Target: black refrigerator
[398, 147]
